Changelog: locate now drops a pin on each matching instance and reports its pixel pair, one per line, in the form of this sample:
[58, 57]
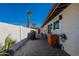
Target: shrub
[8, 43]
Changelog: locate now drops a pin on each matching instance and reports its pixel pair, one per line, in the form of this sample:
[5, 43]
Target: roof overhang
[58, 7]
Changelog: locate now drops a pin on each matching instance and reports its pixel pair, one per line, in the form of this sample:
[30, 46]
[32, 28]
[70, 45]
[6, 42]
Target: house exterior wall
[69, 25]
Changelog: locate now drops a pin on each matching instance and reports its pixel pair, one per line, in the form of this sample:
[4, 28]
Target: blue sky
[16, 13]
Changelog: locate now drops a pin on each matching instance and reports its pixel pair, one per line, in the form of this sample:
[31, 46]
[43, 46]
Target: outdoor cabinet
[53, 39]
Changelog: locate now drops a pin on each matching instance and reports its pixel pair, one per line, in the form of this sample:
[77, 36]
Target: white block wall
[14, 31]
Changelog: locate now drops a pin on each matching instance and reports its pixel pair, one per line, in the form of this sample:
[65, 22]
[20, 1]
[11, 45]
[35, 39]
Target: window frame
[56, 25]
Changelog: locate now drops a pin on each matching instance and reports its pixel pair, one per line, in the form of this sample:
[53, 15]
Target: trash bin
[31, 35]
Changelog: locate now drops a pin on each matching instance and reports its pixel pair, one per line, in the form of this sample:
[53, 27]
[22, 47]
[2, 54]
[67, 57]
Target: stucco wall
[69, 25]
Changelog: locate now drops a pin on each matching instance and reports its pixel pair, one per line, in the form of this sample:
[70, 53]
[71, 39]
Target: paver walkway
[39, 48]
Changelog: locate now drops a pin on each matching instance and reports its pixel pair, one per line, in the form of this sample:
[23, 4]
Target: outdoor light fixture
[60, 17]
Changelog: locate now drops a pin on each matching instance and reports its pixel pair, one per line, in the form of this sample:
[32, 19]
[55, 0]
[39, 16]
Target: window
[49, 28]
[56, 24]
